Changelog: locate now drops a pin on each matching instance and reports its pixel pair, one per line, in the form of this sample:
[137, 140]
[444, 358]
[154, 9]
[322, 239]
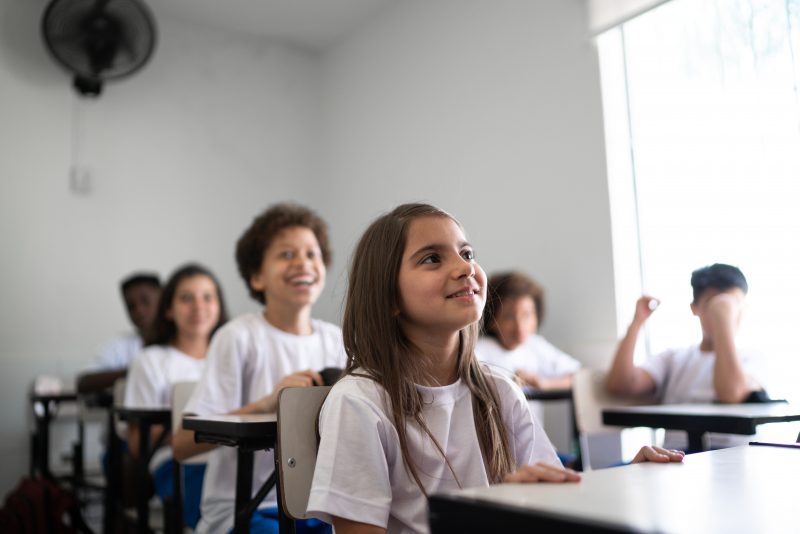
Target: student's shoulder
[326, 329]
[358, 389]
[151, 354]
[487, 348]
[243, 326]
[506, 387]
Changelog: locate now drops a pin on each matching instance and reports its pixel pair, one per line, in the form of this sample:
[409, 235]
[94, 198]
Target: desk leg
[696, 441]
[244, 491]
[77, 456]
[113, 478]
[142, 476]
[43, 438]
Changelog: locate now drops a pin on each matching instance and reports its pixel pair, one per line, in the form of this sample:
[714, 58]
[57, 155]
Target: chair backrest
[298, 409]
[181, 391]
[590, 397]
[118, 396]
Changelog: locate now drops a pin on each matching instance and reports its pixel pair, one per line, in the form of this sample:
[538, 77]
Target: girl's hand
[529, 379]
[658, 455]
[300, 379]
[542, 472]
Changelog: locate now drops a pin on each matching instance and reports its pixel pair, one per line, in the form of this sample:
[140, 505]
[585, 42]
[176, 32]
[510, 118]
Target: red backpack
[38, 505]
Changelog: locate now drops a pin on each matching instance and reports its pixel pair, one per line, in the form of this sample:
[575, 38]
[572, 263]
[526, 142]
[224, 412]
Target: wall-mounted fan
[99, 40]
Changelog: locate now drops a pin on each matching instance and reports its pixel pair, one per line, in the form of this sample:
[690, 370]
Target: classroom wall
[182, 155]
[491, 110]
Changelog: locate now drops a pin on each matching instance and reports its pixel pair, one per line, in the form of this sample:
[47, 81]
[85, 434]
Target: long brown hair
[377, 346]
[164, 330]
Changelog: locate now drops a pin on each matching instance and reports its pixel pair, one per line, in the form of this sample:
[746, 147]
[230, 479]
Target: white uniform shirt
[535, 355]
[246, 360]
[360, 474]
[150, 379]
[117, 353]
[153, 373]
[686, 375]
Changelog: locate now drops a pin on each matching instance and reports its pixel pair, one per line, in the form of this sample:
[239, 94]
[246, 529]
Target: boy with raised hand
[712, 371]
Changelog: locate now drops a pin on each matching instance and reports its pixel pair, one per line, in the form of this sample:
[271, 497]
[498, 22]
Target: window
[702, 107]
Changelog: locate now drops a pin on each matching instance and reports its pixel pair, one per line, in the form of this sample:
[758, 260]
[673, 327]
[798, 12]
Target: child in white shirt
[514, 311]
[713, 370]
[282, 258]
[416, 413]
[191, 309]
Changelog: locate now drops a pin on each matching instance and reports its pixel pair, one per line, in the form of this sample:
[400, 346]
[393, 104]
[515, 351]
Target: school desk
[547, 394]
[741, 489]
[248, 433]
[146, 419]
[697, 419]
[44, 407]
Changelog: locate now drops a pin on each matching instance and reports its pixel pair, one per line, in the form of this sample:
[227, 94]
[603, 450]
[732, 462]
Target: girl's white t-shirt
[155, 371]
[246, 360]
[150, 379]
[535, 355]
[360, 474]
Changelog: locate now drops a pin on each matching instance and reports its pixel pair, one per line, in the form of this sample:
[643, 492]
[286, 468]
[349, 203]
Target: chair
[296, 450]
[589, 397]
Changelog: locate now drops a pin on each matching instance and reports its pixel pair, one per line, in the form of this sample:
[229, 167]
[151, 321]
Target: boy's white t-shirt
[117, 353]
[535, 355]
[246, 360]
[686, 375]
[360, 474]
[150, 379]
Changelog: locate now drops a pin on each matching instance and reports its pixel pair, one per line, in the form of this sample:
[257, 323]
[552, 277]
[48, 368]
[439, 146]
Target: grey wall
[182, 156]
[491, 110]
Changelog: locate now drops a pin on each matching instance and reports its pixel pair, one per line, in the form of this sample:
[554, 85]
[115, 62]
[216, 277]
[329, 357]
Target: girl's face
[516, 321]
[292, 272]
[442, 289]
[195, 307]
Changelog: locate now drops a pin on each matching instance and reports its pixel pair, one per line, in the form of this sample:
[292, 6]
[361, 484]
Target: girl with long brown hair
[415, 412]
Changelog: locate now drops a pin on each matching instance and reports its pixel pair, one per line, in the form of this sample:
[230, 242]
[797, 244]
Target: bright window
[702, 107]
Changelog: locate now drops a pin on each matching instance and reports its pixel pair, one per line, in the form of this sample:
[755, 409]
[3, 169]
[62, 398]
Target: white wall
[182, 155]
[491, 110]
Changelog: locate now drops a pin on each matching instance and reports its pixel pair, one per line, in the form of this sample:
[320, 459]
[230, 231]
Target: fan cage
[99, 39]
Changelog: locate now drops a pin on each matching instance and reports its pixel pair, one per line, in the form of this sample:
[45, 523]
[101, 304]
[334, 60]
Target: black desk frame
[247, 438]
[145, 419]
[40, 441]
[695, 425]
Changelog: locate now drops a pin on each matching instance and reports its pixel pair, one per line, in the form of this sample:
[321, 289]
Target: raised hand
[725, 308]
[645, 307]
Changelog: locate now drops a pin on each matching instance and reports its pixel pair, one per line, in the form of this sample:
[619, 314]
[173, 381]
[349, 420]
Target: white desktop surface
[742, 489]
[236, 418]
[769, 409]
